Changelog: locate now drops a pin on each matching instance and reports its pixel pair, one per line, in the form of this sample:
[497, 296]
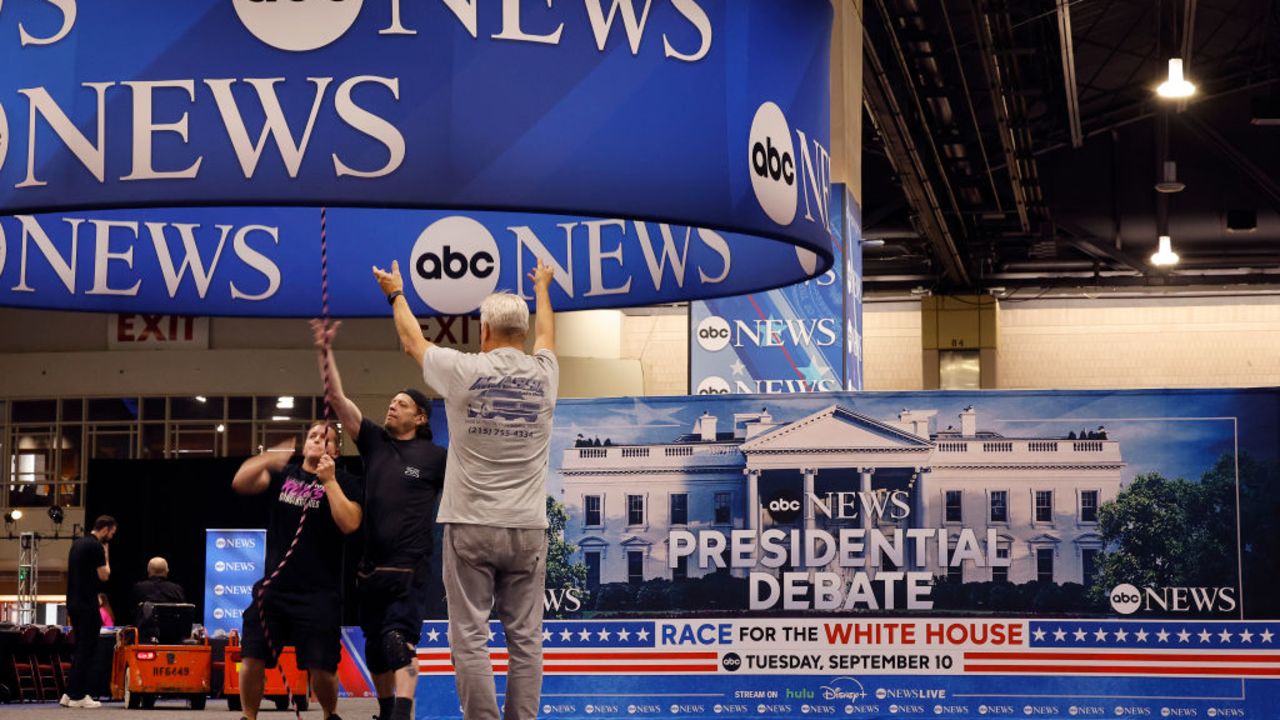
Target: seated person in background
[157, 588]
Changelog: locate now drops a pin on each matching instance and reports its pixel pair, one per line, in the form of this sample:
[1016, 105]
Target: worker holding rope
[404, 473]
[298, 601]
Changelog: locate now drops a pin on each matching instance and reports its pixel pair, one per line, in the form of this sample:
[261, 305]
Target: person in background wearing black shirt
[88, 567]
[404, 473]
[302, 603]
[157, 588]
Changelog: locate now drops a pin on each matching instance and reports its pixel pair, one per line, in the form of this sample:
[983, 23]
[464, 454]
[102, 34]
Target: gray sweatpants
[502, 569]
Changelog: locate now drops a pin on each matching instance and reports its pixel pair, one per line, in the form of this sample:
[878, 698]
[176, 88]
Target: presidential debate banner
[908, 555]
[801, 338]
[233, 563]
[195, 157]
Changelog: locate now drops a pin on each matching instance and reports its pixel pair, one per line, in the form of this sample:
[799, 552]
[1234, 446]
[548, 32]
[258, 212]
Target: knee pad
[396, 650]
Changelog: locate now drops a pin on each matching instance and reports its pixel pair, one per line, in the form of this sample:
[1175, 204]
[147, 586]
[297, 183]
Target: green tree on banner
[1171, 533]
[562, 572]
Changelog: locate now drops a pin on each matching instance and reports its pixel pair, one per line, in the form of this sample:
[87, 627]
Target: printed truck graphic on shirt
[506, 398]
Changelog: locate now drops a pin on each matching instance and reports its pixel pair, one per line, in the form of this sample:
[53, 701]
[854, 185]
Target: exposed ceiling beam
[994, 34]
[1069, 72]
[900, 147]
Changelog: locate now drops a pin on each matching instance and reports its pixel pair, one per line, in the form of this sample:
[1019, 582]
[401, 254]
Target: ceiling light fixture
[1165, 254]
[1176, 86]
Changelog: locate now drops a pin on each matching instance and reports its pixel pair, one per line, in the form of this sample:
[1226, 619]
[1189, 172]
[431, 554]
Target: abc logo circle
[718, 708]
[220, 543]
[675, 709]
[937, 709]
[1073, 711]
[220, 566]
[762, 709]
[771, 161]
[982, 709]
[219, 589]
[783, 507]
[881, 694]
[1125, 599]
[1164, 712]
[713, 333]
[804, 709]
[219, 613]
[591, 709]
[631, 709]
[546, 709]
[455, 265]
[714, 385]
[297, 25]
[731, 662]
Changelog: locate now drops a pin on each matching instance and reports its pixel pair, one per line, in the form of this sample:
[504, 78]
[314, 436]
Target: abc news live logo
[1127, 599]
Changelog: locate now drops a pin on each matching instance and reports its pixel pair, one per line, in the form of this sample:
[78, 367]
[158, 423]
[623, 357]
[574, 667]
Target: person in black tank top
[299, 595]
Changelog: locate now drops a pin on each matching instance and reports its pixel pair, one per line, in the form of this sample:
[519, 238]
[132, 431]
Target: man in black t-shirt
[299, 594]
[404, 472]
[88, 567]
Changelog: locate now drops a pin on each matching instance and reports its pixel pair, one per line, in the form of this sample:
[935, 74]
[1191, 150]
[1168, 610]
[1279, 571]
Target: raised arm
[104, 570]
[545, 339]
[348, 414]
[254, 475]
[346, 514]
[415, 346]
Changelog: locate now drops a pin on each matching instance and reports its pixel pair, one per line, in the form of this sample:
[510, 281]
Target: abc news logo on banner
[783, 172]
[1127, 599]
[455, 264]
[238, 543]
[715, 334]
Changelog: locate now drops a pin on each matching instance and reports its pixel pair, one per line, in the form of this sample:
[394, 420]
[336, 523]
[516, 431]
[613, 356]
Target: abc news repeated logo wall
[257, 118]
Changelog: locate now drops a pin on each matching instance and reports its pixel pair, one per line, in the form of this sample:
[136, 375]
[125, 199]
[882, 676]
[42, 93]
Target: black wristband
[391, 299]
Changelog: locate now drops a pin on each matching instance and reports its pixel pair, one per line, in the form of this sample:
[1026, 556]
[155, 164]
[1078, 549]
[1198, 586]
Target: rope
[295, 700]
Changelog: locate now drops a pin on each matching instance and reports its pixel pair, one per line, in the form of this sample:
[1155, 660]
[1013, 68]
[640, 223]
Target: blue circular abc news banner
[175, 156]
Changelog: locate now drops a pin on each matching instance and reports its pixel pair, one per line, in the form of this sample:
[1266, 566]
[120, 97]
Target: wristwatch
[391, 299]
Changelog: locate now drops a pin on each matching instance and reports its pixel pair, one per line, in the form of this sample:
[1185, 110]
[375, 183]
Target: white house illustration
[1040, 494]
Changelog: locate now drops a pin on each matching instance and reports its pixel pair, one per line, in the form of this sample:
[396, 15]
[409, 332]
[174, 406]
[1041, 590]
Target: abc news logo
[224, 543]
[783, 506]
[455, 265]
[772, 160]
[1127, 599]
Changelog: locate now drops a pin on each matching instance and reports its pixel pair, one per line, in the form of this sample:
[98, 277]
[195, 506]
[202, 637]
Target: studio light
[1176, 86]
[1165, 254]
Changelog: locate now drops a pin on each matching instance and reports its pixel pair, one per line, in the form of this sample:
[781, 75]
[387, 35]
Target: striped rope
[294, 700]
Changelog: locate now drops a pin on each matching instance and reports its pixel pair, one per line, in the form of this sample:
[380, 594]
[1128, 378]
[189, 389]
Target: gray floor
[348, 708]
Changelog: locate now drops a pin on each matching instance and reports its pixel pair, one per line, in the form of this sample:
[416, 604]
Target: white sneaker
[65, 700]
[85, 702]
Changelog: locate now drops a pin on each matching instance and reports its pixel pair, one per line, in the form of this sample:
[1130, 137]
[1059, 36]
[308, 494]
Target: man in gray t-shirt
[499, 403]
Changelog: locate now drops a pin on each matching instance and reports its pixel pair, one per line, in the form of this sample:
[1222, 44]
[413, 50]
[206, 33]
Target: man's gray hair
[158, 566]
[505, 314]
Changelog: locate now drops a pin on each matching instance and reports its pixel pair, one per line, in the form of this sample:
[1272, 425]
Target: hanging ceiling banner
[175, 156]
